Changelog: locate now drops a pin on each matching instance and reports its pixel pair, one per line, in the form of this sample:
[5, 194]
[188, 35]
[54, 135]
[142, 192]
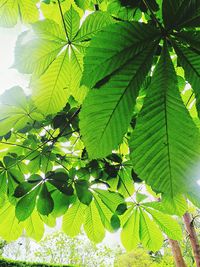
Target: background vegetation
[107, 134]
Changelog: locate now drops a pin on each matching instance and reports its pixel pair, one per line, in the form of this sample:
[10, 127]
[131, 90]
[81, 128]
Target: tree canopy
[114, 102]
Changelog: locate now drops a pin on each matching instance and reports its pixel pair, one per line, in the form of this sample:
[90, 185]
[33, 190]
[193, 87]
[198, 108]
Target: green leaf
[49, 30]
[107, 112]
[115, 222]
[72, 21]
[83, 4]
[110, 199]
[52, 11]
[16, 110]
[181, 13]
[10, 228]
[150, 235]
[123, 12]
[121, 209]
[49, 92]
[73, 219]
[45, 202]
[26, 205]
[189, 58]
[130, 232]
[125, 184]
[11, 11]
[83, 193]
[173, 206]
[194, 196]
[61, 203]
[189, 37]
[22, 189]
[92, 24]
[92, 224]
[34, 226]
[11, 178]
[60, 181]
[167, 224]
[43, 53]
[159, 152]
[176, 205]
[112, 53]
[104, 212]
[3, 184]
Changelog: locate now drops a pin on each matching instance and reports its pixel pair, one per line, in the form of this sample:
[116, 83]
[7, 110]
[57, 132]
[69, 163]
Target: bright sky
[9, 77]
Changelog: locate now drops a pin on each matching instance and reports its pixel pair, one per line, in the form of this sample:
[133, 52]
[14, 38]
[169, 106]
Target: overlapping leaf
[141, 224]
[11, 11]
[189, 58]
[107, 111]
[16, 110]
[160, 154]
[181, 13]
[56, 58]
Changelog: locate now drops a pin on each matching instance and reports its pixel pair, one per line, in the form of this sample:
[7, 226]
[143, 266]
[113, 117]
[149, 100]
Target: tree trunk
[178, 258]
[176, 250]
[193, 237]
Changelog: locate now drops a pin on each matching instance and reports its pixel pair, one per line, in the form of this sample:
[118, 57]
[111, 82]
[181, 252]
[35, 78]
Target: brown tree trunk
[193, 237]
[178, 258]
[176, 250]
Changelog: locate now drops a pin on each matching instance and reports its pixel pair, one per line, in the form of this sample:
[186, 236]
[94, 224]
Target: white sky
[9, 77]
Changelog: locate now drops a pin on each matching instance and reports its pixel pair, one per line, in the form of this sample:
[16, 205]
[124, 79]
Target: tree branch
[153, 16]
[63, 20]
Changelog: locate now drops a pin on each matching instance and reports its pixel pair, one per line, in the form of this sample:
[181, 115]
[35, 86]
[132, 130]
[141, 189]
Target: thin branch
[63, 20]
[153, 16]
[26, 156]
[13, 144]
[189, 99]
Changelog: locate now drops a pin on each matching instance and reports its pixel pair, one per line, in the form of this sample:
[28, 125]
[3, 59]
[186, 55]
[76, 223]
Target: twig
[153, 15]
[63, 20]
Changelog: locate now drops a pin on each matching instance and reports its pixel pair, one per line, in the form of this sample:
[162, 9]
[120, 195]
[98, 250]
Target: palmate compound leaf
[13, 10]
[95, 216]
[138, 227]
[16, 110]
[56, 59]
[166, 223]
[165, 142]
